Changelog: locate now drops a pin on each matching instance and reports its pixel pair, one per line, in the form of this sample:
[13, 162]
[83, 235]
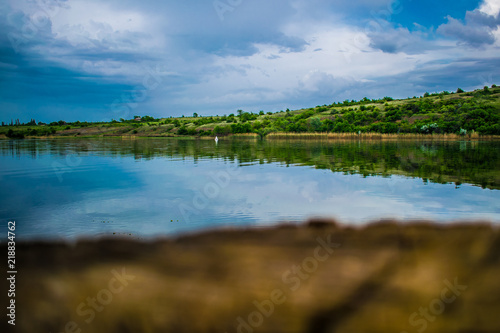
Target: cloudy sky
[98, 60]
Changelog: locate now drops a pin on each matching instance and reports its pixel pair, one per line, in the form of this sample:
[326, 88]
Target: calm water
[148, 187]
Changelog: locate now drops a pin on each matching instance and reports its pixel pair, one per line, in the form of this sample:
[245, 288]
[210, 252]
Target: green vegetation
[461, 113]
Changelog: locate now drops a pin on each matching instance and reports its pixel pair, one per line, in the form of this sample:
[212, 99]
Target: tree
[263, 132]
[195, 115]
[315, 124]
[147, 118]
[459, 91]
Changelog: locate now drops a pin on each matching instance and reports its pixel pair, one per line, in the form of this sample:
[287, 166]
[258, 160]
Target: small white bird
[216, 139]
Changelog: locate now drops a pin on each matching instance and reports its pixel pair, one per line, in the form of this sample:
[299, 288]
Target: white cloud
[264, 55]
[490, 7]
[97, 25]
[480, 28]
[332, 63]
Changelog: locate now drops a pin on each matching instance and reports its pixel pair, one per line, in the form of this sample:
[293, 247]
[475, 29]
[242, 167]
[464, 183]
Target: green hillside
[459, 112]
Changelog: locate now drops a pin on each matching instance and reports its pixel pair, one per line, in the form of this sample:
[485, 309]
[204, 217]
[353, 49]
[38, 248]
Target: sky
[92, 60]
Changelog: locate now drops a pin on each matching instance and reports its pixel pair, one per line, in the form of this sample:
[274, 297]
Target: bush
[32, 131]
[221, 130]
[182, 130]
[192, 131]
[241, 128]
[14, 134]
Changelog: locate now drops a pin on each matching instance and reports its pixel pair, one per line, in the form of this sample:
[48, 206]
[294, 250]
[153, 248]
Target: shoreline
[285, 136]
[317, 277]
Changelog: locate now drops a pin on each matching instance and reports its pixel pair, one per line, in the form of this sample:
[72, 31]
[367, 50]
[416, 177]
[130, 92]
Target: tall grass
[381, 136]
[245, 135]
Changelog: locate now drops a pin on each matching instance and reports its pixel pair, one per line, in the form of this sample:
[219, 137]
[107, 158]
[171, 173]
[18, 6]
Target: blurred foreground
[319, 277]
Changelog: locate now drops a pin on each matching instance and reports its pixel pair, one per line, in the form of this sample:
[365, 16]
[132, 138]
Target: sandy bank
[319, 277]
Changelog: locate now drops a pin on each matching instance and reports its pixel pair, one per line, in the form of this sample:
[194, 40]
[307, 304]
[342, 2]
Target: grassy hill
[462, 113]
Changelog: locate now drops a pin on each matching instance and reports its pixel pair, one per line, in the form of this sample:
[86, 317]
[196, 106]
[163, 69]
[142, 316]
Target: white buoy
[216, 139]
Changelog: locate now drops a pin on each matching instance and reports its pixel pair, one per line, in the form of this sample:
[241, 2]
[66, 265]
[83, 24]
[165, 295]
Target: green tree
[315, 124]
[148, 118]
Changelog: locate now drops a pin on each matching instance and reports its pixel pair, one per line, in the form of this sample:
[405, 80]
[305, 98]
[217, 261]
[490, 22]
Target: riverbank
[461, 114]
[283, 136]
[317, 277]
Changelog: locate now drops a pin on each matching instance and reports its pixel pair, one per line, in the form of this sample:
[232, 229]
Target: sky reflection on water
[53, 196]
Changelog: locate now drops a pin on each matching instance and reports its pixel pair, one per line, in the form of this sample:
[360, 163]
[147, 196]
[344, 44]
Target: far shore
[279, 136]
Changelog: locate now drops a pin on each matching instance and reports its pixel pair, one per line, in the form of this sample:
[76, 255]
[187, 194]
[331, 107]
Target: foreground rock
[320, 277]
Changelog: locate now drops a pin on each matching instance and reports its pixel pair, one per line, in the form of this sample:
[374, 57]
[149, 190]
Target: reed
[245, 135]
[381, 136]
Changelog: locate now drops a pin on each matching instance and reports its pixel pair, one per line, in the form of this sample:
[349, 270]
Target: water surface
[149, 187]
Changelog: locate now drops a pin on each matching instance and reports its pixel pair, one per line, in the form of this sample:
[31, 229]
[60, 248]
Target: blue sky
[100, 60]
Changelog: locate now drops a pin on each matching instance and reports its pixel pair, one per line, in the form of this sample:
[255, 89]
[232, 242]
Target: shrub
[192, 131]
[14, 135]
[182, 130]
